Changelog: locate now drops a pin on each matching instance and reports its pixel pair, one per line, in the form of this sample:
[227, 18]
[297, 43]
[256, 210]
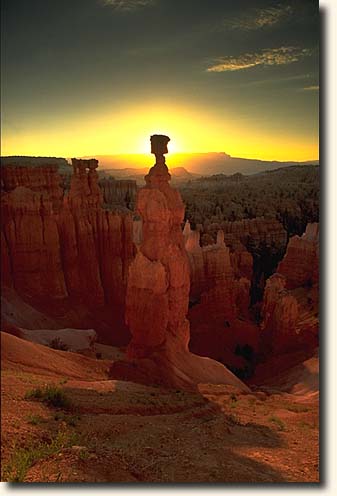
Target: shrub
[278, 422]
[35, 419]
[68, 419]
[23, 458]
[58, 344]
[51, 395]
[297, 408]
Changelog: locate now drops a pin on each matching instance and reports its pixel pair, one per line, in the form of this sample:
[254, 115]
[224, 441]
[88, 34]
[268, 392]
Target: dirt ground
[116, 431]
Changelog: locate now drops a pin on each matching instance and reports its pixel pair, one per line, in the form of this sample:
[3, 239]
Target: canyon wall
[215, 275]
[290, 319]
[301, 260]
[65, 260]
[219, 310]
[60, 252]
[117, 192]
[253, 233]
[264, 239]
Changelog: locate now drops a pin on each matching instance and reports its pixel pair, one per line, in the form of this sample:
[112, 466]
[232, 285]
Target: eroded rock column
[158, 293]
[158, 284]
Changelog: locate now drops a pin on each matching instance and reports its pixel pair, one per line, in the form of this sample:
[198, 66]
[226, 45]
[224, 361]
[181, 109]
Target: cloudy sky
[86, 77]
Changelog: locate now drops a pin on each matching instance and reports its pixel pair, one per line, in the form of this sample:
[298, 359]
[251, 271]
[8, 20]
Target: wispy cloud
[266, 57]
[311, 88]
[279, 80]
[260, 18]
[127, 5]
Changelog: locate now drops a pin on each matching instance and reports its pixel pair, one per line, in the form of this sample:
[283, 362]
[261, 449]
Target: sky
[95, 77]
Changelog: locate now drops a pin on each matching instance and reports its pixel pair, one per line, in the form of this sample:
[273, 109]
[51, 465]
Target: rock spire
[158, 292]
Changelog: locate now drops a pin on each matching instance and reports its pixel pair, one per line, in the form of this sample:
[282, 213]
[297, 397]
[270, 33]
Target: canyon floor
[94, 429]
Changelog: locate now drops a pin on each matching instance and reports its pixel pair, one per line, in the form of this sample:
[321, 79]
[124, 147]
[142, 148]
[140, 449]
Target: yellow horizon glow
[128, 132]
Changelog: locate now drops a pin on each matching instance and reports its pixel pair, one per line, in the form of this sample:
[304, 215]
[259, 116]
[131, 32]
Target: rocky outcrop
[242, 262]
[31, 240]
[44, 180]
[219, 279]
[96, 244]
[158, 292]
[300, 263]
[290, 302]
[280, 315]
[220, 300]
[217, 289]
[265, 240]
[251, 233]
[59, 257]
[118, 192]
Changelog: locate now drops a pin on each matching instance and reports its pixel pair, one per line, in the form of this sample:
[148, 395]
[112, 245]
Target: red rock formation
[62, 257]
[158, 292]
[220, 280]
[41, 179]
[242, 262]
[119, 191]
[280, 314]
[300, 263]
[158, 284]
[217, 297]
[220, 299]
[30, 231]
[6, 269]
[254, 231]
[196, 259]
[290, 302]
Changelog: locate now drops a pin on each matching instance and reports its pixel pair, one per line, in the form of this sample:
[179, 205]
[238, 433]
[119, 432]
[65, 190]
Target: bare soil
[118, 431]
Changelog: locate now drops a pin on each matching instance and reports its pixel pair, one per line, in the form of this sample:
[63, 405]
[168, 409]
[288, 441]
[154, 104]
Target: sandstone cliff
[119, 191]
[300, 263]
[220, 299]
[40, 179]
[290, 302]
[65, 254]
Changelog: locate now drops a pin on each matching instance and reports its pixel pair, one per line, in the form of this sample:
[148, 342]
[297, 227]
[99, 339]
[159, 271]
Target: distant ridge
[183, 166]
[197, 163]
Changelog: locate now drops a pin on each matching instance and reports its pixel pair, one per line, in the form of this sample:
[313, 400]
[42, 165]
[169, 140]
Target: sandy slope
[122, 431]
[20, 355]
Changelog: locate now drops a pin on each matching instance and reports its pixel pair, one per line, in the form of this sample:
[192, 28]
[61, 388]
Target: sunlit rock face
[158, 292]
[290, 302]
[158, 285]
[63, 252]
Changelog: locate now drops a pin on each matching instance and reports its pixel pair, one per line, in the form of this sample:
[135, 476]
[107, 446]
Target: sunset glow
[234, 89]
[128, 132]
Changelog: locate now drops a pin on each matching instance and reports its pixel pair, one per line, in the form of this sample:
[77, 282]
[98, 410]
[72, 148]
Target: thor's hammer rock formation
[158, 292]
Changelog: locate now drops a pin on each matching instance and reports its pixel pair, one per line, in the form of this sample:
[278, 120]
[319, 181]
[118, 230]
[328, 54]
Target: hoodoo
[158, 292]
